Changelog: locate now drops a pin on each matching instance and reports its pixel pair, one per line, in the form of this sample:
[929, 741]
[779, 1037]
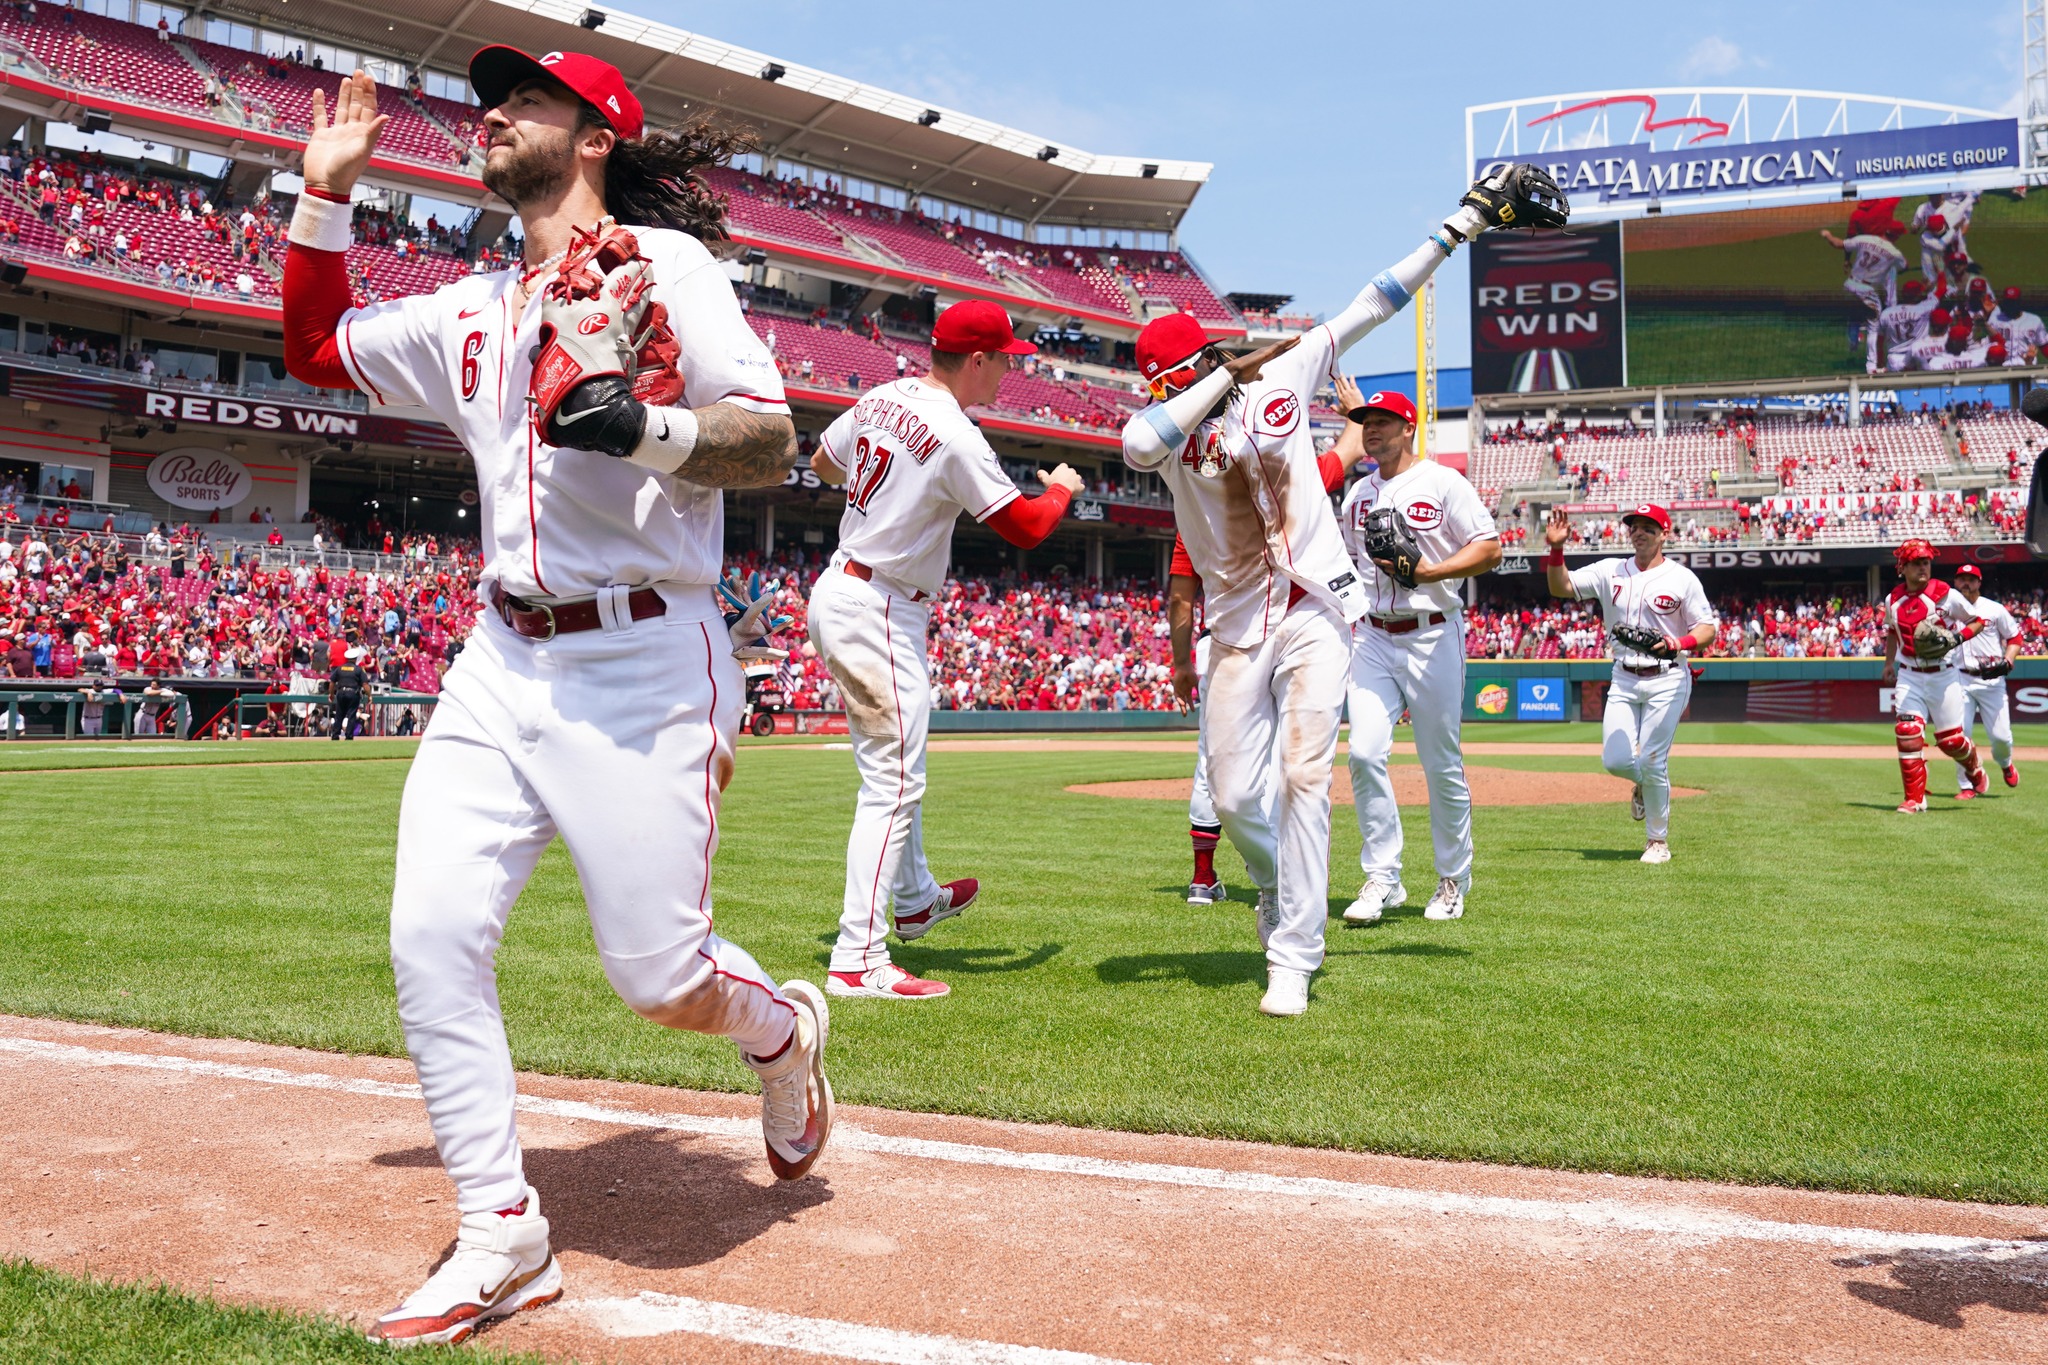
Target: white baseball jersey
[1870, 259]
[1914, 355]
[1666, 597]
[1957, 209]
[913, 462]
[2020, 334]
[1988, 644]
[1905, 322]
[1971, 357]
[1443, 510]
[1263, 526]
[1904, 611]
[561, 523]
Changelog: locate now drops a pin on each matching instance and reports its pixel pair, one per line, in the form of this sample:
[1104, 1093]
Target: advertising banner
[1547, 311]
[1602, 176]
[200, 478]
[1539, 699]
[1489, 698]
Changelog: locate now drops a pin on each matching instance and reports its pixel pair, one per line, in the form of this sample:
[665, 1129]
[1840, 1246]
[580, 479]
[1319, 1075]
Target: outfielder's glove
[606, 348]
[1932, 641]
[1997, 668]
[745, 605]
[1643, 640]
[1390, 544]
[1519, 196]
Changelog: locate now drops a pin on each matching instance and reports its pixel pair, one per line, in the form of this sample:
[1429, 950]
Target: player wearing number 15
[911, 461]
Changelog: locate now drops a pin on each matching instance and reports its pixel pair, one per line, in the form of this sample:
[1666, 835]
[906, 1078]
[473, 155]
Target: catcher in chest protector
[607, 390]
[1656, 612]
[1925, 619]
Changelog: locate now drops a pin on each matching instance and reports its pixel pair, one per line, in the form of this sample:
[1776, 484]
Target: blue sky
[1337, 130]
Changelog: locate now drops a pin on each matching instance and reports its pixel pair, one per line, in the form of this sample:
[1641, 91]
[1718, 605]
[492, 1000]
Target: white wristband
[322, 224]
[667, 440]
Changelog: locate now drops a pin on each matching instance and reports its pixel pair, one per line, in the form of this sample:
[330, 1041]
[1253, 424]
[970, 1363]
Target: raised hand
[338, 149]
[1349, 398]
[1558, 529]
[1063, 477]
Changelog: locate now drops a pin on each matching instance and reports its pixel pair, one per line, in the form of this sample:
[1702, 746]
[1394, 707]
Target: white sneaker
[501, 1264]
[1448, 902]
[1657, 851]
[1373, 899]
[796, 1099]
[1207, 893]
[1286, 992]
[1635, 803]
[1268, 916]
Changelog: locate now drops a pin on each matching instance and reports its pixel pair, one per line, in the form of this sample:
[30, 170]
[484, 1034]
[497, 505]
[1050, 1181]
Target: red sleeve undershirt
[316, 294]
[1024, 522]
[1181, 566]
[1330, 464]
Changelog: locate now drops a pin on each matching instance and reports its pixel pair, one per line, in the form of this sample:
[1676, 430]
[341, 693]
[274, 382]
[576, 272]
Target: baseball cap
[1937, 223]
[977, 325]
[1385, 400]
[1968, 567]
[2011, 294]
[496, 71]
[1960, 329]
[1651, 512]
[1169, 342]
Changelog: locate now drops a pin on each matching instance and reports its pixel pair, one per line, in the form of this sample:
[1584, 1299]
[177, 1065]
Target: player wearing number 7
[912, 461]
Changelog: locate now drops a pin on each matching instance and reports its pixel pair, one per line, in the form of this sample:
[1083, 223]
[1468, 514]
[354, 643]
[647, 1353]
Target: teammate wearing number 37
[607, 392]
[1231, 439]
[911, 461]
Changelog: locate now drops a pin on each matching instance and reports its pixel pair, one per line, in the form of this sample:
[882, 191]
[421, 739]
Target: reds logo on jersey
[1664, 603]
[1279, 415]
[1423, 516]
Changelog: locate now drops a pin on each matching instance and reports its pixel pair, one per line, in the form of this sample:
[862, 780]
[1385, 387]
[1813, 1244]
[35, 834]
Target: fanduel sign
[1620, 175]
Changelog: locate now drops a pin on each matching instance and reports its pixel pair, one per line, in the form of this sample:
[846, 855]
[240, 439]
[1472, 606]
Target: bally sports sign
[193, 477]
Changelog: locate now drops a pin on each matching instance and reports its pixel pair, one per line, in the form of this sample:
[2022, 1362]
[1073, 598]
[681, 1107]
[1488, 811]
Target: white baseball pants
[1202, 805]
[873, 641]
[1636, 730]
[1987, 697]
[1274, 712]
[1936, 698]
[620, 740]
[1423, 672]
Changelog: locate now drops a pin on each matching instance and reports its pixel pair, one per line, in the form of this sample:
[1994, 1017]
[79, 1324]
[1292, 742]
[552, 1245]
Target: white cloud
[1712, 56]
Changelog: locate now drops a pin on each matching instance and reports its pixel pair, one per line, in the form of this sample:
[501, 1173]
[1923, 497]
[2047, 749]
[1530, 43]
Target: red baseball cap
[2012, 293]
[1386, 400]
[1168, 343]
[977, 325]
[496, 71]
[1970, 568]
[1651, 512]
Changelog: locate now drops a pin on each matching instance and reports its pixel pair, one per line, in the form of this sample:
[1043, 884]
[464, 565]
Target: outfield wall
[1725, 690]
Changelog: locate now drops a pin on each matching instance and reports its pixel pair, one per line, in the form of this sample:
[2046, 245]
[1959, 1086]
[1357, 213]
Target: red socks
[1205, 852]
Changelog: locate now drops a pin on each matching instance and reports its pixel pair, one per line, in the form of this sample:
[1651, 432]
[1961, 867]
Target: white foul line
[1606, 1215]
[653, 1314]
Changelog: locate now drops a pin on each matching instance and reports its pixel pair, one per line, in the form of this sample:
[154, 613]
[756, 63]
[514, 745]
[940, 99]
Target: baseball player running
[1984, 659]
[1231, 439]
[1920, 660]
[912, 461]
[1872, 267]
[1413, 528]
[597, 699]
[1656, 612]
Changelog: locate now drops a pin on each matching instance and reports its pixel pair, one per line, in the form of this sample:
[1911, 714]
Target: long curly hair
[654, 179]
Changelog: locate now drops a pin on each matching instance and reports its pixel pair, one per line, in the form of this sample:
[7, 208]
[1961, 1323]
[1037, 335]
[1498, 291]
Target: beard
[535, 168]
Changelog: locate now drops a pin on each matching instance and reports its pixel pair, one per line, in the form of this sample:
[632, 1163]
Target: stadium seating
[107, 54]
[288, 98]
[756, 209]
[910, 243]
[382, 273]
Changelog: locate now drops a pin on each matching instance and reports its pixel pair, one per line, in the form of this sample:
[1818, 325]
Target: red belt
[1917, 668]
[544, 621]
[1401, 625]
[866, 575]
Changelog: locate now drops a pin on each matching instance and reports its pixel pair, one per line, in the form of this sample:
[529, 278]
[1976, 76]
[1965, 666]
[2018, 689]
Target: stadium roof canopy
[800, 113]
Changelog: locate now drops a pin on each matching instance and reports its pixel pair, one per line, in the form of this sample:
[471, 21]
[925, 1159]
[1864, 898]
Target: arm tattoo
[740, 449]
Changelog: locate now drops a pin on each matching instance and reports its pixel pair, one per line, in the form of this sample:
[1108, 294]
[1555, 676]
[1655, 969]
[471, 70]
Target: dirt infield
[307, 1180]
[1490, 787]
[1473, 749]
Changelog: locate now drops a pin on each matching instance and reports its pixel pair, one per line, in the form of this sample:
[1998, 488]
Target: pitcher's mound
[1490, 787]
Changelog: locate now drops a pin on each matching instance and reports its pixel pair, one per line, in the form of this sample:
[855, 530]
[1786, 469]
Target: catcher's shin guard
[1956, 744]
[1912, 765]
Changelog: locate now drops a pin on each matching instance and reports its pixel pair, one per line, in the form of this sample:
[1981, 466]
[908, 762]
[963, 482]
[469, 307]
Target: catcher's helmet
[1912, 549]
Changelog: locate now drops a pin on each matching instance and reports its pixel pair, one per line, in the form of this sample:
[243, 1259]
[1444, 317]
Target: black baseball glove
[1390, 544]
[1997, 668]
[1520, 196]
[1643, 640]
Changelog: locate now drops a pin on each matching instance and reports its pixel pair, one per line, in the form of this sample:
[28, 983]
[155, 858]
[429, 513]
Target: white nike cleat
[1635, 803]
[1286, 992]
[501, 1265]
[1267, 916]
[1374, 898]
[796, 1099]
[1657, 851]
[1448, 902]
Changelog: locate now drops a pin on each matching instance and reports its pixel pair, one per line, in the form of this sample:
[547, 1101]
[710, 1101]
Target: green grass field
[52, 1319]
[1817, 992]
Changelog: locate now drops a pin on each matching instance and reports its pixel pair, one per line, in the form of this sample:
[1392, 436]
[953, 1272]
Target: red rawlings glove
[597, 322]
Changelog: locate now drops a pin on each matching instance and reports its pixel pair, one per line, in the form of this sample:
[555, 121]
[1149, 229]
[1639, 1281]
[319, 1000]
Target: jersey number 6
[871, 461]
